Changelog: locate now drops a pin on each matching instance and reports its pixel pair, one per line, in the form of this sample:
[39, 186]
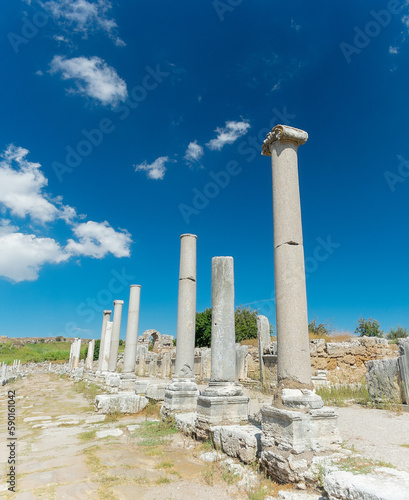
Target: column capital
[283, 133]
[135, 286]
[188, 234]
[119, 302]
[106, 311]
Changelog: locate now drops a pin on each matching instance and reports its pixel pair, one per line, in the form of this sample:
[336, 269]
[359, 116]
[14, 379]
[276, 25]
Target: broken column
[181, 395]
[222, 402]
[76, 352]
[128, 370]
[106, 316]
[90, 355]
[295, 425]
[264, 338]
[116, 332]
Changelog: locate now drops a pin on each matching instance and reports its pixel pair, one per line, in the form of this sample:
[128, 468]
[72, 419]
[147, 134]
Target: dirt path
[61, 456]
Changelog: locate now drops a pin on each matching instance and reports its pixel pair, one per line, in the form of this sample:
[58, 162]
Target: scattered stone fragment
[211, 456]
[95, 419]
[35, 419]
[109, 432]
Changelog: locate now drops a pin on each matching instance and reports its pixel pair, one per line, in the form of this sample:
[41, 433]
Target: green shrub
[369, 328]
[319, 329]
[397, 333]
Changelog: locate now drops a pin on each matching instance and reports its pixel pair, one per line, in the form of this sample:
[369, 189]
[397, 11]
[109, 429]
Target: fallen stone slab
[238, 441]
[185, 422]
[211, 456]
[109, 433]
[156, 392]
[67, 417]
[36, 419]
[132, 428]
[95, 419]
[296, 495]
[124, 402]
[382, 484]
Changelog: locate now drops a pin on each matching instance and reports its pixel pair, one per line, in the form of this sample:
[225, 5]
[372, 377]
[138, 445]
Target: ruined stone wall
[343, 361]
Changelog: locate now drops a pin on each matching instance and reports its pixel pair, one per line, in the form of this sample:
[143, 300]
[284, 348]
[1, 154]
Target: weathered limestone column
[182, 394]
[296, 421]
[90, 355]
[106, 316]
[264, 338]
[128, 370]
[116, 332]
[294, 365]
[107, 346]
[76, 351]
[222, 401]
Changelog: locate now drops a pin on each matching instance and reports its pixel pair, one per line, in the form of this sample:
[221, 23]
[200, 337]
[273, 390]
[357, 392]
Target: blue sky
[118, 117]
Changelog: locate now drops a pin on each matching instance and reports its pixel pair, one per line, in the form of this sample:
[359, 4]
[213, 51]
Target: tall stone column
[311, 428]
[106, 346]
[106, 316]
[132, 332]
[90, 355]
[222, 402]
[181, 395]
[116, 332]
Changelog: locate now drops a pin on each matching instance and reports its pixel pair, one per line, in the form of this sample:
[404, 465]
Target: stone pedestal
[264, 338]
[181, 394]
[116, 332]
[128, 370]
[106, 316]
[222, 402]
[291, 438]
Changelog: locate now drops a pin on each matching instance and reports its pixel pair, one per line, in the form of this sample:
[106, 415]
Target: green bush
[397, 333]
[204, 328]
[369, 328]
[319, 329]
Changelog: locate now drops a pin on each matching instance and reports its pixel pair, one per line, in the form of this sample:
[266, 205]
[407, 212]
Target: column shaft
[132, 329]
[223, 365]
[186, 320]
[116, 332]
[106, 316]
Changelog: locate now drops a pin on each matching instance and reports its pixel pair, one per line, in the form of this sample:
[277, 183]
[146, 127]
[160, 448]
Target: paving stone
[109, 432]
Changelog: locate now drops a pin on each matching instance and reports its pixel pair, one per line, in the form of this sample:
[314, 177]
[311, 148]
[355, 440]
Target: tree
[96, 349]
[203, 328]
[245, 320]
[369, 328]
[398, 333]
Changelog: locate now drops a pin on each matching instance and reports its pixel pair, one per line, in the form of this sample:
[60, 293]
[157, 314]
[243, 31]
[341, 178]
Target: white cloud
[23, 255]
[276, 87]
[228, 134]
[194, 152]
[21, 189]
[155, 170]
[22, 193]
[97, 239]
[393, 50]
[83, 16]
[93, 77]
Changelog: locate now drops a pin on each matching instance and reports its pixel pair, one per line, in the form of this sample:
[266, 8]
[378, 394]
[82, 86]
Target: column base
[180, 396]
[127, 381]
[220, 403]
[291, 439]
[301, 399]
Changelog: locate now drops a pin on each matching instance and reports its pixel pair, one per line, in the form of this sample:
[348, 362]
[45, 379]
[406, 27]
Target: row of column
[294, 368]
